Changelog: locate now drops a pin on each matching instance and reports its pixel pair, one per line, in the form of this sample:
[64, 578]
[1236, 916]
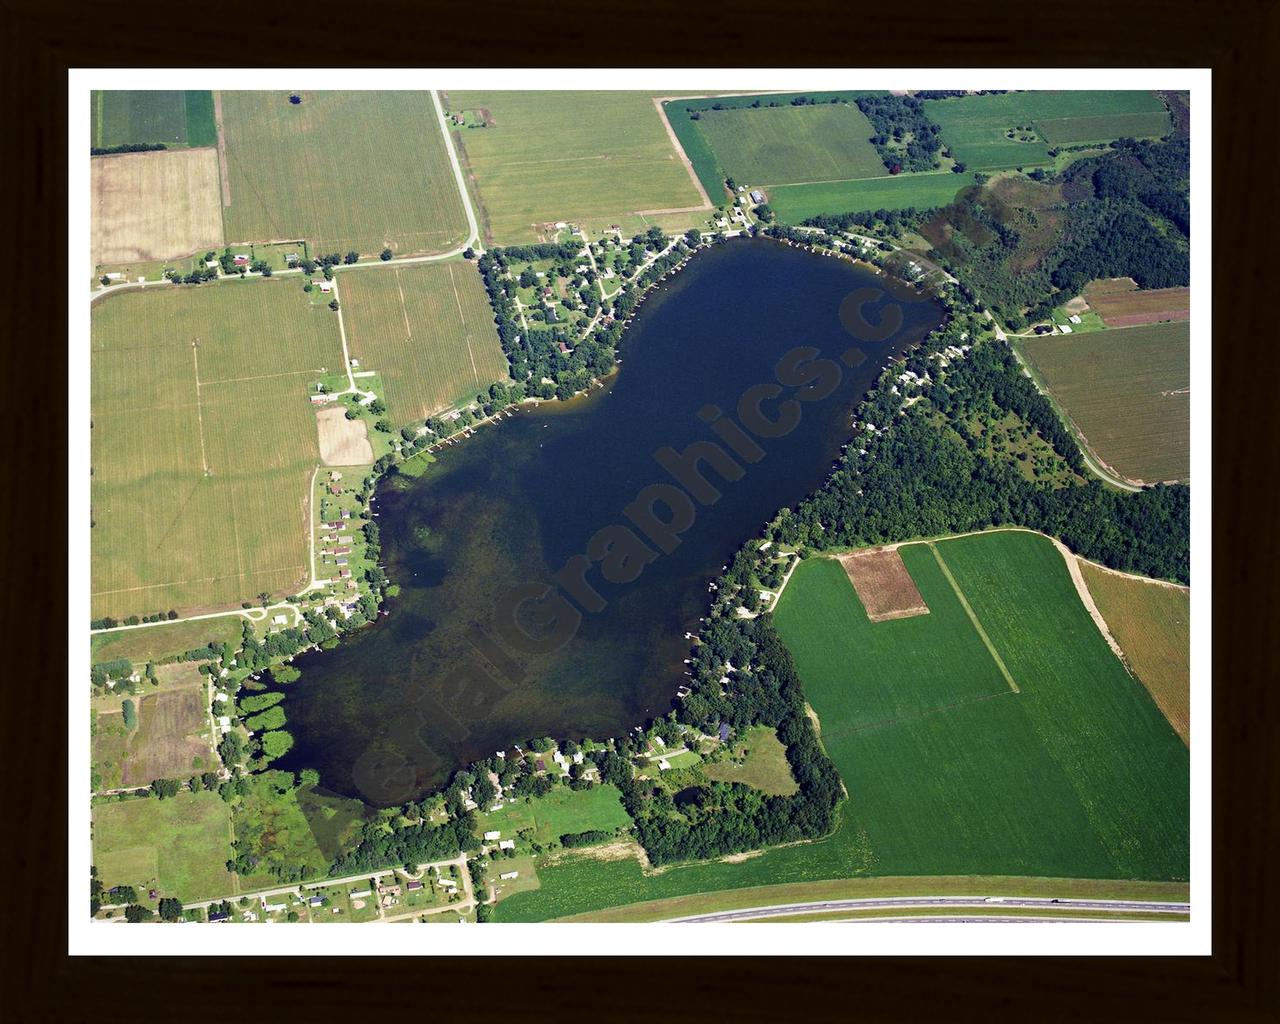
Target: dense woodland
[1124, 213]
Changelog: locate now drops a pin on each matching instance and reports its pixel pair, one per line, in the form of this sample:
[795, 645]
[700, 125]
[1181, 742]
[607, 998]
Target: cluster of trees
[878, 222]
[117, 668]
[107, 622]
[587, 838]
[905, 137]
[127, 147]
[197, 276]
[394, 842]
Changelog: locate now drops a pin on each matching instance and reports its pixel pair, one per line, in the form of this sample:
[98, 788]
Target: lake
[442, 679]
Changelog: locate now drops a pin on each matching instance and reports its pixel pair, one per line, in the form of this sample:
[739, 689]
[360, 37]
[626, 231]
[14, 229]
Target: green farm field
[1152, 624]
[561, 811]
[179, 846]
[788, 145]
[428, 330]
[1128, 391]
[975, 126]
[202, 453]
[949, 771]
[344, 170]
[119, 117]
[796, 203]
[592, 158]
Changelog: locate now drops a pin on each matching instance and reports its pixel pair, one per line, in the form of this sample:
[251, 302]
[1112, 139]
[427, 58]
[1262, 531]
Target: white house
[506, 876]
[507, 844]
[490, 836]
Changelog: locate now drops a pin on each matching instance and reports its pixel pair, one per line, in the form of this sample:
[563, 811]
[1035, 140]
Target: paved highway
[897, 903]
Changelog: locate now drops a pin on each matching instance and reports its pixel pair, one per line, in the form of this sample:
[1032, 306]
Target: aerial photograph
[634, 505]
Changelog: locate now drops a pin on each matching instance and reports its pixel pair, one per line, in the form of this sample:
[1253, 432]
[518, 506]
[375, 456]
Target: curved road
[902, 902]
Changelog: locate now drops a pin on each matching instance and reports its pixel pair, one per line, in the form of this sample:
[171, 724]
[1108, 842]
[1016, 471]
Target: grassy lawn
[796, 203]
[950, 772]
[977, 127]
[178, 846]
[784, 145]
[561, 811]
[526, 879]
[1127, 391]
[763, 763]
[203, 443]
[594, 158]
[344, 170]
[1152, 624]
[154, 643]
[428, 330]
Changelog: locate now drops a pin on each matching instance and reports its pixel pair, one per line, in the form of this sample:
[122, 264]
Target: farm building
[757, 196]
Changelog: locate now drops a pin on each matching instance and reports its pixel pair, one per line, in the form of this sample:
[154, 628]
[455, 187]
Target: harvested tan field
[884, 586]
[1151, 621]
[155, 206]
[343, 442]
[1130, 308]
[168, 742]
[1110, 286]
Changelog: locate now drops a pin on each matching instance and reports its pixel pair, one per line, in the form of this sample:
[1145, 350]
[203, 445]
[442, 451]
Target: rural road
[283, 890]
[903, 902]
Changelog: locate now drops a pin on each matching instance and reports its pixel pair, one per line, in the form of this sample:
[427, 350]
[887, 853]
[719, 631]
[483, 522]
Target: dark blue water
[438, 681]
